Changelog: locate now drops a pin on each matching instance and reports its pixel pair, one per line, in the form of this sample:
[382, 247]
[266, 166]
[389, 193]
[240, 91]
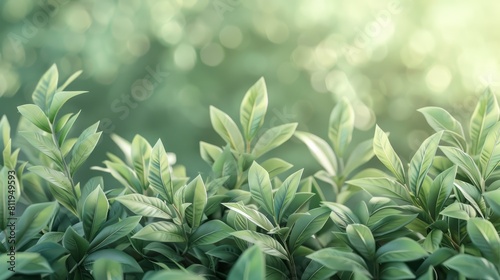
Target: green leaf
[113, 232]
[172, 274]
[268, 244]
[400, 250]
[340, 260]
[307, 225]
[273, 138]
[361, 154]
[396, 270]
[209, 152]
[196, 194]
[4, 198]
[386, 154]
[485, 116]
[320, 151]
[465, 162]
[440, 190]
[422, 162]
[432, 241]
[440, 120]
[285, 194]
[75, 244]
[341, 215]
[341, 126]
[58, 101]
[94, 213]
[46, 88]
[209, 233]
[140, 153]
[260, 187]
[35, 218]
[107, 269]
[146, 206]
[84, 146]
[227, 129]
[472, 267]
[25, 263]
[161, 232]
[63, 127]
[436, 259]
[485, 237]
[490, 152]
[250, 266]
[36, 116]
[383, 187]
[128, 263]
[253, 109]
[361, 238]
[275, 166]
[44, 144]
[252, 215]
[459, 210]
[69, 80]
[160, 178]
[493, 199]
[317, 271]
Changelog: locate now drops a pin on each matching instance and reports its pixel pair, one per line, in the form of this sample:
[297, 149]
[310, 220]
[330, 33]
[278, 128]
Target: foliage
[435, 217]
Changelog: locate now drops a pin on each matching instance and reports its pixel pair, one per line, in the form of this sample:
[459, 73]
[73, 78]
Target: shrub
[437, 217]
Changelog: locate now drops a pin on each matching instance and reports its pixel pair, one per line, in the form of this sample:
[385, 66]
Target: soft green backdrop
[388, 57]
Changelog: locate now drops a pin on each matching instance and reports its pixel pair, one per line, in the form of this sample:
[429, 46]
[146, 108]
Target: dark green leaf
[396, 270]
[340, 260]
[25, 263]
[75, 244]
[128, 263]
[172, 274]
[94, 212]
[146, 206]
[432, 241]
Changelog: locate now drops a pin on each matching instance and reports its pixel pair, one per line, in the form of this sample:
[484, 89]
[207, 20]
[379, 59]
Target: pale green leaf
[46, 88]
[209, 233]
[489, 157]
[485, 237]
[253, 109]
[338, 260]
[465, 162]
[341, 126]
[307, 225]
[275, 166]
[209, 152]
[285, 194]
[113, 232]
[146, 206]
[107, 269]
[485, 116]
[493, 199]
[361, 238]
[268, 244]
[386, 154]
[35, 218]
[459, 210]
[196, 194]
[250, 266]
[273, 138]
[160, 178]
[320, 151]
[422, 162]
[440, 190]
[25, 263]
[260, 187]
[58, 101]
[128, 263]
[227, 129]
[36, 116]
[472, 267]
[440, 120]
[161, 232]
[252, 215]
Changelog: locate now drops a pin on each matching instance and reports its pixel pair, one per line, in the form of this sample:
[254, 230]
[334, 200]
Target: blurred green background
[153, 67]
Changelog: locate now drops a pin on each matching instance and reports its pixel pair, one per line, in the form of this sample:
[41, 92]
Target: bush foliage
[253, 217]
